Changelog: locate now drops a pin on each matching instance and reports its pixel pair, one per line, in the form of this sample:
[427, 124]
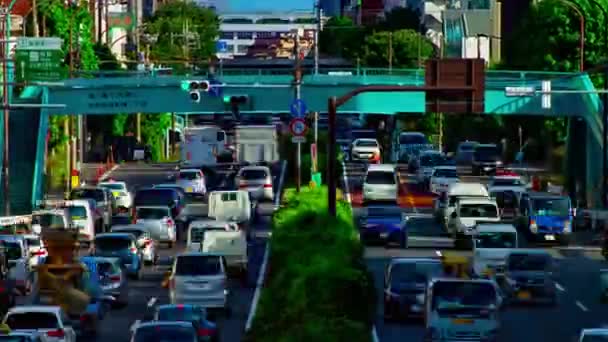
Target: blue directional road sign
[298, 108]
[221, 46]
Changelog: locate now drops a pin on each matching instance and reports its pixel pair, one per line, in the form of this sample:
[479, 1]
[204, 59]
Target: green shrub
[318, 288]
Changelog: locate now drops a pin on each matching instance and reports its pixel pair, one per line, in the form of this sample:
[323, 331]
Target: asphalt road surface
[115, 327]
[577, 277]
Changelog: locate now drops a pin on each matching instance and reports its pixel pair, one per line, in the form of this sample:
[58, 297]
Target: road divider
[317, 285]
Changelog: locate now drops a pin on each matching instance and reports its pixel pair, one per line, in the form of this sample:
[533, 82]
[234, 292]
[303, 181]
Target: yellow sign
[524, 295]
[75, 181]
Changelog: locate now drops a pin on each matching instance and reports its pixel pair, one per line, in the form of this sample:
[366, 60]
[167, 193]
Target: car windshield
[467, 147]
[463, 299]
[367, 143]
[412, 139]
[162, 333]
[155, 197]
[12, 250]
[478, 210]
[152, 213]
[445, 173]
[431, 159]
[528, 262]
[112, 186]
[188, 175]
[197, 265]
[363, 134]
[33, 242]
[120, 220]
[595, 338]
[135, 232]
[7, 338]
[96, 194]
[77, 212]
[48, 220]
[486, 153]
[496, 240]
[253, 174]
[507, 182]
[32, 321]
[551, 206]
[112, 243]
[380, 177]
[181, 313]
[418, 272]
[103, 268]
[384, 212]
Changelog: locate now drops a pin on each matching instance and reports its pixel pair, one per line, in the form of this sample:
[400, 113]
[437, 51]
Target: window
[414, 272]
[445, 173]
[152, 213]
[412, 139]
[486, 153]
[431, 159]
[528, 262]
[367, 143]
[112, 243]
[384, 212]
[254, 174]
[96, 194]
[507, 182]
[495, 240]
[551, 206]
[478, 210]
[77, 212]
[113, 186]
[33, 242]
[135, 232]
[242, 48]
[380, 177]
[49, 220]
[160, 197]
[265, 35]
[181, 314]
[244, 35]
[32, 321]
[197, 234]
[195, 265]
[164, 333]
[462, 298]
[229, 197]
[189, 175]
[12, 250]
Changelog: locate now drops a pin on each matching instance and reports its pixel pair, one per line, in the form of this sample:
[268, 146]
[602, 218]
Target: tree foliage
[404, 47]
[169, 24]
[107, 59]
[153, 130]
[341, 38]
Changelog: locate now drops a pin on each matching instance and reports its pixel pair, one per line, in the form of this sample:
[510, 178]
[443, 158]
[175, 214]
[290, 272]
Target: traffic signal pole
[297, 82]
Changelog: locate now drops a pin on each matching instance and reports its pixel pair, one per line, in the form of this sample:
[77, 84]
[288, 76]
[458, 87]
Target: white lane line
[438, 253]
[134, 325]
[258, 288]
[346, 188]
[559, 287]
[375, 335]
[108, 173]
[581, 306]
[152, 301]
[277, 199]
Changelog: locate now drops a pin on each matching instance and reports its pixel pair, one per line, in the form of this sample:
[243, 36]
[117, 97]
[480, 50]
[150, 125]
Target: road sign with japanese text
[39, 65]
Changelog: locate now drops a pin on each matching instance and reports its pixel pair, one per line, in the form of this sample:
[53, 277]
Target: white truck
[202, 145]
[254, 144]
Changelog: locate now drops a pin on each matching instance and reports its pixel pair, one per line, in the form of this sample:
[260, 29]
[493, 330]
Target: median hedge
[317, 287]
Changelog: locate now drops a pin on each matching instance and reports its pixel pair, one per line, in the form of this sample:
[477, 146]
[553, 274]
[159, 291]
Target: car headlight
[533, 228]
[567, 227]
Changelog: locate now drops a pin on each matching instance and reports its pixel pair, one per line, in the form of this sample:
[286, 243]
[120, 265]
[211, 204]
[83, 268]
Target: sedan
[146, 244]
[257, 180]
[206, 330]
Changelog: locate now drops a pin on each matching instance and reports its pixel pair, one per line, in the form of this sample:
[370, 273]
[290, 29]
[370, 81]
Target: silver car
[192, 181]
[112, 278]
[257, 180]
[146, 244]
[159, 222]
[199, 279]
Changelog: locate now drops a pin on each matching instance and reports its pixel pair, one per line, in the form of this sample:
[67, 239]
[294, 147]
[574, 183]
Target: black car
[160, 197]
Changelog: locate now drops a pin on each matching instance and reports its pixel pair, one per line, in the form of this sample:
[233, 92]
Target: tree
[341, 38]
[401, 18]
[408, 47]
[169, 24]
[107, 59]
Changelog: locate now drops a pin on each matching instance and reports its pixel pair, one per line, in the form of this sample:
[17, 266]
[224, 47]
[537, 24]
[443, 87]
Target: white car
[17, 252]
[36, 248]
[442, 177]
[508, 183]
[124, 198]
[381, 183]
[146, 244]
[50, 218]
[593, 335]
[491, 245]
[257, 180]
[462, 222]
[50, 320]
[365, 150]
[192, 180]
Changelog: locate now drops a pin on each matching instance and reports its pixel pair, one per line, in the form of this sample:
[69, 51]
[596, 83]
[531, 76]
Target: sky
[251, 6]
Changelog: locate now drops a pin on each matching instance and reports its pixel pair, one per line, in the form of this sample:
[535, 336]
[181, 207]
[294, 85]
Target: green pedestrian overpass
[271, 91]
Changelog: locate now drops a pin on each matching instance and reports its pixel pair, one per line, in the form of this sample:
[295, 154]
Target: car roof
[428, 152]
[208, 223]
[190, 170]
[529, 251]
[497, 228]
[446, 167]
[172, 306]
[152, 324]
[456, 280]
[112, 182]
[255, 167]
[366, 139]
[35, 308]
[110, 235]
[152, 207]
[536, 194]
[470, 142]
[485, 145]
[381, 167]
[193, 253]
[405, 260]
[87, 187]
[100, 259]
[479, 200]
[595, 331]
[412, 133]
[118, 228]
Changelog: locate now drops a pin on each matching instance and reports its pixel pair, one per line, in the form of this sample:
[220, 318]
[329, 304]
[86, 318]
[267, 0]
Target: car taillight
[84, 318]
[169, 221]
[133, 250]
[39, 253]
[115, 278]
[204, 332]
[56, 333]
[147, 243]
[242, 184]
[268, 185]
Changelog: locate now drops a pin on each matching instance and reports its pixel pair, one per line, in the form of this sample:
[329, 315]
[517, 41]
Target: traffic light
[195, 88]
[236, 100]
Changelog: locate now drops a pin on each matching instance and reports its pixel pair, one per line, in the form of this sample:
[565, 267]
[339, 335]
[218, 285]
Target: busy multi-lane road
[116, 325]
[577, 274]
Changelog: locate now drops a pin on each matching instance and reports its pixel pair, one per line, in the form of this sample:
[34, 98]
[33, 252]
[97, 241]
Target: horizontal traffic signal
[236, 99]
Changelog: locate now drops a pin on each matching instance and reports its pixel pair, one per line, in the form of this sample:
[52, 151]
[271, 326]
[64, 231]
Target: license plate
[189, 189]
[199, 286]
[550, 237]
[461, 321]
[524, 295]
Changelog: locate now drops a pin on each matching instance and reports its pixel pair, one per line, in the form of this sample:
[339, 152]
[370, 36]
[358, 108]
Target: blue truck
[384, 224]
[545, 217]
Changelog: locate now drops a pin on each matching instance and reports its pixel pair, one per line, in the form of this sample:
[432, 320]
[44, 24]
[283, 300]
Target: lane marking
[134, 325]
[258, 289]
[152, 301]
[559, 287]
[346, 187]
[438, 253]
[277, 200]
[375, 335]
[581, 306]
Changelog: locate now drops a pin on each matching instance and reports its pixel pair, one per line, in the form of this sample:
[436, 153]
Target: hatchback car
[121, 194]
[163, 197]
[160, 331]
[192, 180]
[206, 330]
[49, 320]
[36, 248]
[122, 246]
[112, 279]
[199, 279]
[145, 243]
[380, 184]
[158, 222]
[257, 180]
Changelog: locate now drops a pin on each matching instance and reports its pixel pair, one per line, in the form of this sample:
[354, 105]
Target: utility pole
[317, 33]
[390, 52]
[5, 103]
[297, 80]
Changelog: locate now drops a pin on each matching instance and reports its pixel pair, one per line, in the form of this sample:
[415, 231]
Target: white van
[233, 206]
[198, 229]
[444, 207]
[232, 245]
[468, 213]
[491, 245]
